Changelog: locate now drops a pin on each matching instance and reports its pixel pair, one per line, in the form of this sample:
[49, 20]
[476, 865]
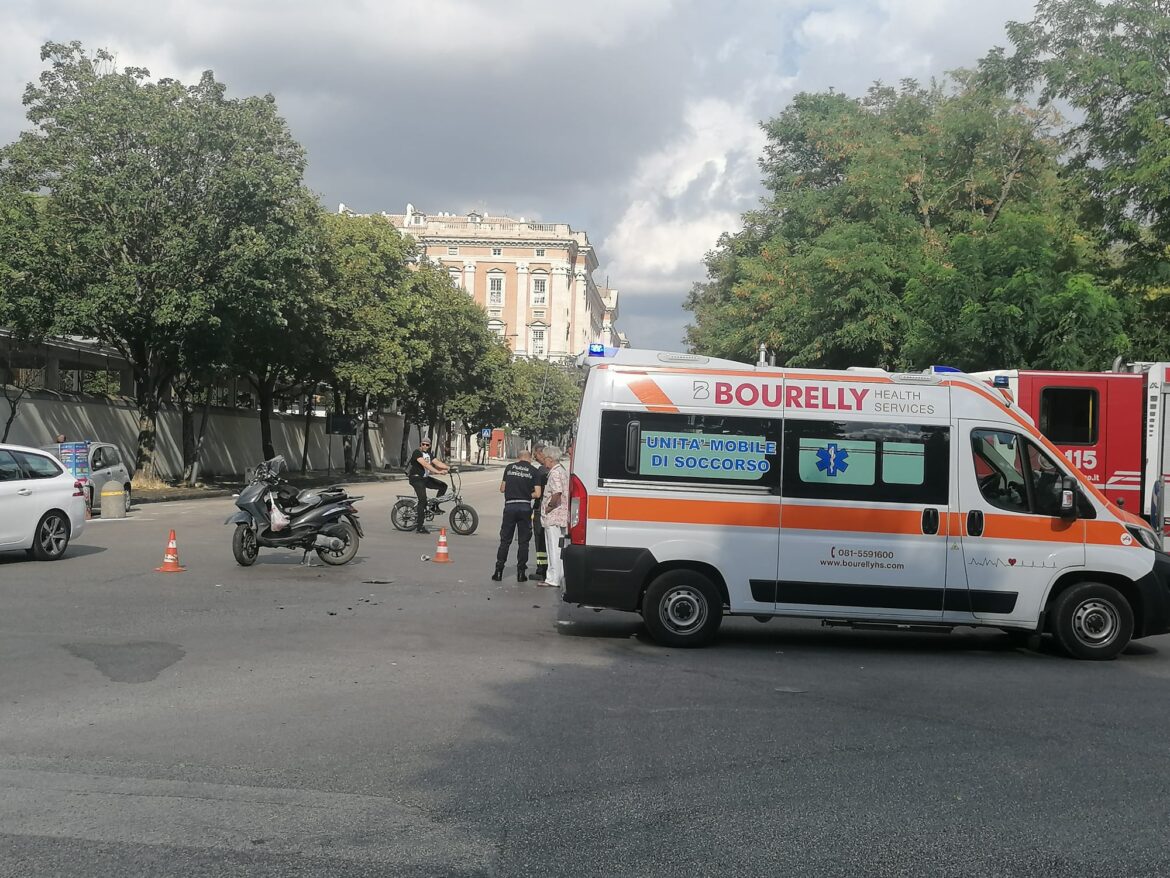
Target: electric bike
[464, 520]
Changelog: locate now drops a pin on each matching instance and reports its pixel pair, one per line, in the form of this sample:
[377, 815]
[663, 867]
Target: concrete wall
[232, 442]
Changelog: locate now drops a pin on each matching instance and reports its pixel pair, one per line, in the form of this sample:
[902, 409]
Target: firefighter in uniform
[537, 525]
[519, 489]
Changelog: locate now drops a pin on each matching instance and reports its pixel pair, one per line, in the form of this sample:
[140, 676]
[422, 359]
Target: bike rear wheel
[404, 515]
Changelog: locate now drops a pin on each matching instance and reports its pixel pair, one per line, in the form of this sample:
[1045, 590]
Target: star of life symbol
[832, 460]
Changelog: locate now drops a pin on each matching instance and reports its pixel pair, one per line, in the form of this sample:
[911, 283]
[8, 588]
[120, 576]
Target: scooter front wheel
[345, 554]
[245, 546]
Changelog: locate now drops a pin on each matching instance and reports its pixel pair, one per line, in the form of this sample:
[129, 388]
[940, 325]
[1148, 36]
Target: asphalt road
[400, 717]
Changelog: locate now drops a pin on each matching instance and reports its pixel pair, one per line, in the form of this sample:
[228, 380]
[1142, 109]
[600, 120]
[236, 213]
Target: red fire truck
[1110, 425]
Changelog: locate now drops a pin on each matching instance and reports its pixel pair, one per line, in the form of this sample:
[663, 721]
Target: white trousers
[552, 545]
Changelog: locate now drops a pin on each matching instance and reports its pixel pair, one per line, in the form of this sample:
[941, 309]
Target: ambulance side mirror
[1068, 497]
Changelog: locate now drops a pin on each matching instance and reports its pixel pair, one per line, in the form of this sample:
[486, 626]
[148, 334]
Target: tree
[30, 272]
[491, 396]
[548, 401]
[903, 226]
[371, 312]
[174, 203]
[458, 347]
[1108, 60]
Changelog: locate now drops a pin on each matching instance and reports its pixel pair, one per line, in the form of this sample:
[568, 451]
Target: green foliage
[368, 306]
[908, 227]
[181, 211]
[548, 399]
[1109, 62]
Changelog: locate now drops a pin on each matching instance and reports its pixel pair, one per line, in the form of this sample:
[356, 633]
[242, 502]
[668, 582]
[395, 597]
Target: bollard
[113, 500]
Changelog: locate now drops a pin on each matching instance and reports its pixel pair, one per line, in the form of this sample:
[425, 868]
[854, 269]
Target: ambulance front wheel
[1093, 621]
[682, 608]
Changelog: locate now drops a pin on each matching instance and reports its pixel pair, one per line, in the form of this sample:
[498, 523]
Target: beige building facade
[534, 280]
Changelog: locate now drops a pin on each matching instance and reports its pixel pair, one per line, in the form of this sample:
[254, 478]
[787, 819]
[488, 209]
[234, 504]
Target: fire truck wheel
[1092, 621]
[682, 608]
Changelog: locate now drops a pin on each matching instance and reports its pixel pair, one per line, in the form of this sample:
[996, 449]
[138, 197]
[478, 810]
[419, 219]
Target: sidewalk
[317, 479]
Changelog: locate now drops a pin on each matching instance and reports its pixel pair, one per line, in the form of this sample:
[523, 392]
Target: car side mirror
[1068, 497]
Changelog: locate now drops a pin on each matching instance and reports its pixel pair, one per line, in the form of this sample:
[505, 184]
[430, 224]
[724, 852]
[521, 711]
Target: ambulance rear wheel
[682, 608]
[1092, 621]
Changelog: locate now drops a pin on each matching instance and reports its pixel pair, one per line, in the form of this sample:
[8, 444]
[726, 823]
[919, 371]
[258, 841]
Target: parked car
[42, 505]
[95, 464]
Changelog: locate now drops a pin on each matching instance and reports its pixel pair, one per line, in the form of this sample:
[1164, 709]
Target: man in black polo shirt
[418, 472]
[519, 488]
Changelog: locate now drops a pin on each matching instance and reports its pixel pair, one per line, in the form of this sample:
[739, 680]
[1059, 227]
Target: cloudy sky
[634, 120]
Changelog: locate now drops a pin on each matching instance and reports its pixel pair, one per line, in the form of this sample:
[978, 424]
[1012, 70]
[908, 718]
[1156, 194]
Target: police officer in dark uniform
[537, 524]
[519, 488]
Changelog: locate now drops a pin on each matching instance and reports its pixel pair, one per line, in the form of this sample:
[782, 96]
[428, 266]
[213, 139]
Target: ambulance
[704, 487]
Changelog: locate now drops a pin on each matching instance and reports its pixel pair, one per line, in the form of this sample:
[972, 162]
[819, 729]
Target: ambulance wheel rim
[683, 609]
[1095, 622]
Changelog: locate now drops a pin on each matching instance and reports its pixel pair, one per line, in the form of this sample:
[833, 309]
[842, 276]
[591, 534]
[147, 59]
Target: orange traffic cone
[441, 556]
[170, 562]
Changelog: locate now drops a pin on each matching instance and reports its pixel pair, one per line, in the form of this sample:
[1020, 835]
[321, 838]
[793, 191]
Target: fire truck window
[1068, 415]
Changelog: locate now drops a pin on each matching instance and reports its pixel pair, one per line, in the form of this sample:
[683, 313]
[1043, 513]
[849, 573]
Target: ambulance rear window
[731, 452]
[1068, 415]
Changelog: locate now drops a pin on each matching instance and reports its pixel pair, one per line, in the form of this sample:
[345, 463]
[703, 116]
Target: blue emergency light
[1000, 381]
[944, 369]
[597, 350]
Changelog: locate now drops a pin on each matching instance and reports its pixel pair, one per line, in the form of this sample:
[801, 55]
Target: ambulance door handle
[975, 523]
[930, 521]
[633, 445]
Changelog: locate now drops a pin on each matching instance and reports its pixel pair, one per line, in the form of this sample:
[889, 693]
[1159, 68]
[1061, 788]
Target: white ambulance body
[704, 487]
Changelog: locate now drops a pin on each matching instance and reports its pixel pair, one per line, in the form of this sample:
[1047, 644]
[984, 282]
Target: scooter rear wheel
[244, 545]
[345, 554]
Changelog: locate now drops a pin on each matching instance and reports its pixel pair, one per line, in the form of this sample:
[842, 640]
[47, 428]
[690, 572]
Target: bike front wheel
[464, 520]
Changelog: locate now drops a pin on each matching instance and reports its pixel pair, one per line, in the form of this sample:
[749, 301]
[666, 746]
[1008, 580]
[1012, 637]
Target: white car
[42, 506]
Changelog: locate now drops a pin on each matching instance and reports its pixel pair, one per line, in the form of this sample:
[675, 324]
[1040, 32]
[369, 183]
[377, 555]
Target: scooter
[464, 519]
[273, 514]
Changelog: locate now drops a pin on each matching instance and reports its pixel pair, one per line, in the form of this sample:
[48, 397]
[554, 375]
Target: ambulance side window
[861, 461]
[728, 452]
[1016, 475]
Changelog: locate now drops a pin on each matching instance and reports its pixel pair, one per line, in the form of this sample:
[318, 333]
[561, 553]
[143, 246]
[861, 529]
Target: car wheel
[682, 608]
[51, 538]
[1092, 621]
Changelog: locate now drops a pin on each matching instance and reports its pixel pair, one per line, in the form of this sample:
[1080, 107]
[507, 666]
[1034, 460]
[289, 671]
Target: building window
[539, 290]
[539, 251]
[452, 251]
[538, 342]
[456, 276]
[537, 315]
[496, 289]
[496, 328]
[497, 251]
